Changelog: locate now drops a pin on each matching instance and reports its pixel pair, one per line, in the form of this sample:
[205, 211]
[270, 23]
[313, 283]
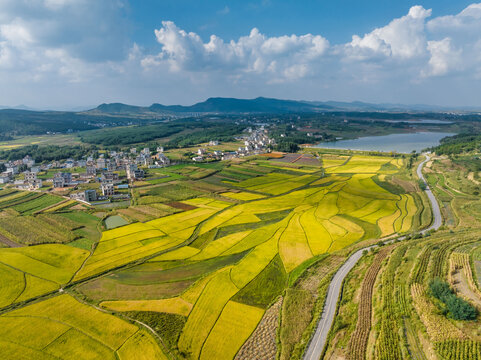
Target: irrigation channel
[316, 346]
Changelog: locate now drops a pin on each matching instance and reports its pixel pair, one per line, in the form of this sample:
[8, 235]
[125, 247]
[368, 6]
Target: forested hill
[25, 122]
[462, 143]
[218, 105]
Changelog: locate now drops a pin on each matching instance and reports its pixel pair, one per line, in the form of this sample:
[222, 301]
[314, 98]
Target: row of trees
[47, 153]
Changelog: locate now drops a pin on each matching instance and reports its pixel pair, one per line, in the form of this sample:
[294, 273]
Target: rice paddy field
[406, 318]
[204, 257]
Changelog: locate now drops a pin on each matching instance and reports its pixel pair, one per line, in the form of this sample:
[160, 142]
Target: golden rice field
[213, 262]
[62, 327]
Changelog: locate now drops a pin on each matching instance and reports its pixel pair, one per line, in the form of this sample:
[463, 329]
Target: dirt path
[471, 177]
[6, 241]
[461, 286]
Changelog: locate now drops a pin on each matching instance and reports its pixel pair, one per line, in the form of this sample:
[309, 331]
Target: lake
[401, 143]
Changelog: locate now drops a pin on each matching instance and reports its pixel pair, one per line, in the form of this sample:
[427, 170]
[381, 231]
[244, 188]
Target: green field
[39, 140]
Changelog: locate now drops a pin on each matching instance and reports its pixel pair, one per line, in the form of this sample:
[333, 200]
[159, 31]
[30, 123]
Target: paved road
[438, 220]
[316, 346]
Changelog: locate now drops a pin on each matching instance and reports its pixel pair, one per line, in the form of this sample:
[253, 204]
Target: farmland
[205, 256]
[409, 317]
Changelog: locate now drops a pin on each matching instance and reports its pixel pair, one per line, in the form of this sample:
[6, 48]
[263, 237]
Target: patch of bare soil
[181, 206]
[262, 343]
[461, 287]
[471, 177]
[8, 242]
[408, 186]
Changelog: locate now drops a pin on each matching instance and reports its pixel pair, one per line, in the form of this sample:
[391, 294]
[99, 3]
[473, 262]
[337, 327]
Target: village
[113, 173]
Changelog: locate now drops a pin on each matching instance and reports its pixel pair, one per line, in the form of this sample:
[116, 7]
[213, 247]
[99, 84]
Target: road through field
[437, 218]
[318, 341]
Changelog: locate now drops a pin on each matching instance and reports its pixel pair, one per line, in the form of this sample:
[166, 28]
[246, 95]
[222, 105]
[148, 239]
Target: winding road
[318, 341]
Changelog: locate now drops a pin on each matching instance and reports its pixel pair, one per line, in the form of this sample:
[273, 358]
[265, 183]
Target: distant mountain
[232, 105]
[388, 107]
[119, 108]
[18, 107]
[219, 105]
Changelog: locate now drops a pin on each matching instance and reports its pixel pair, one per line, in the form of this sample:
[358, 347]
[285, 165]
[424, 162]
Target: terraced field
[202, 277]
[410, 320]
[61, 327]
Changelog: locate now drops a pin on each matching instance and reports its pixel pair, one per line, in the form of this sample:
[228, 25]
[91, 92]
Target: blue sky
[336, 20]
[69, 53]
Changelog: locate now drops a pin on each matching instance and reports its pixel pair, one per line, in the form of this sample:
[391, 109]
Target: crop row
[438, 327]
[387, 345]
[18, 198]
[462, 261]
[459, 349]
[358, 342]
[419, 272]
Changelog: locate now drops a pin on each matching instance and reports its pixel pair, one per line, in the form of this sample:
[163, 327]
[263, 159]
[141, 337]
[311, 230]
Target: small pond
[114, 221]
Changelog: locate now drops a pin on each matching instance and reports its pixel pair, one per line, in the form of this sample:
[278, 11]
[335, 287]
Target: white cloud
[16, 34]
[402, 38]
[443, 58]
[455, 45]
[466, 20]
[287, 57]
[67, 48]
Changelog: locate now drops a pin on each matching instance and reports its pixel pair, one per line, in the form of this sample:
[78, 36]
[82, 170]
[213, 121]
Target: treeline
[47, 153]
[458, 144]
[22, 122]
[289, 138]
[130, 135]
[182, 133]
[221, 132]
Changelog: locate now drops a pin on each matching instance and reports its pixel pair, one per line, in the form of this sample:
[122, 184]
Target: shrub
[457, 308]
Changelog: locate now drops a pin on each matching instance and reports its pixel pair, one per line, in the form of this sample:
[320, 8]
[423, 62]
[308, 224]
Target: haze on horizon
[68, 53]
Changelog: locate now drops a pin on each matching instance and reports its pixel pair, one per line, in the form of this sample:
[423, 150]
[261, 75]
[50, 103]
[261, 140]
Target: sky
[64, 54]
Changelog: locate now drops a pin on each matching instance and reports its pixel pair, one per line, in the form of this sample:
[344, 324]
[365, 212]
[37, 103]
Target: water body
[401, 143]
[421, 121]
[114, 221]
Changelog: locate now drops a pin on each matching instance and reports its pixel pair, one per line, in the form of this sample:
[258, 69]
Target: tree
[287, 146]
[457, 308]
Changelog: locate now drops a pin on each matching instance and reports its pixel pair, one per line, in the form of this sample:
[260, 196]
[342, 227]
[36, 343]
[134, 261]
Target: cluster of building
[27, 165]
[23, 174]
[106, 167]
[256, 142]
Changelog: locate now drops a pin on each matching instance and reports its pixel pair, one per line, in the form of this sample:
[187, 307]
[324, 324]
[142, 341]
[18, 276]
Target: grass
[38, 204]
[265, 287]
[296, 302]
[168, 326]
[39, 140]
[153, 280]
